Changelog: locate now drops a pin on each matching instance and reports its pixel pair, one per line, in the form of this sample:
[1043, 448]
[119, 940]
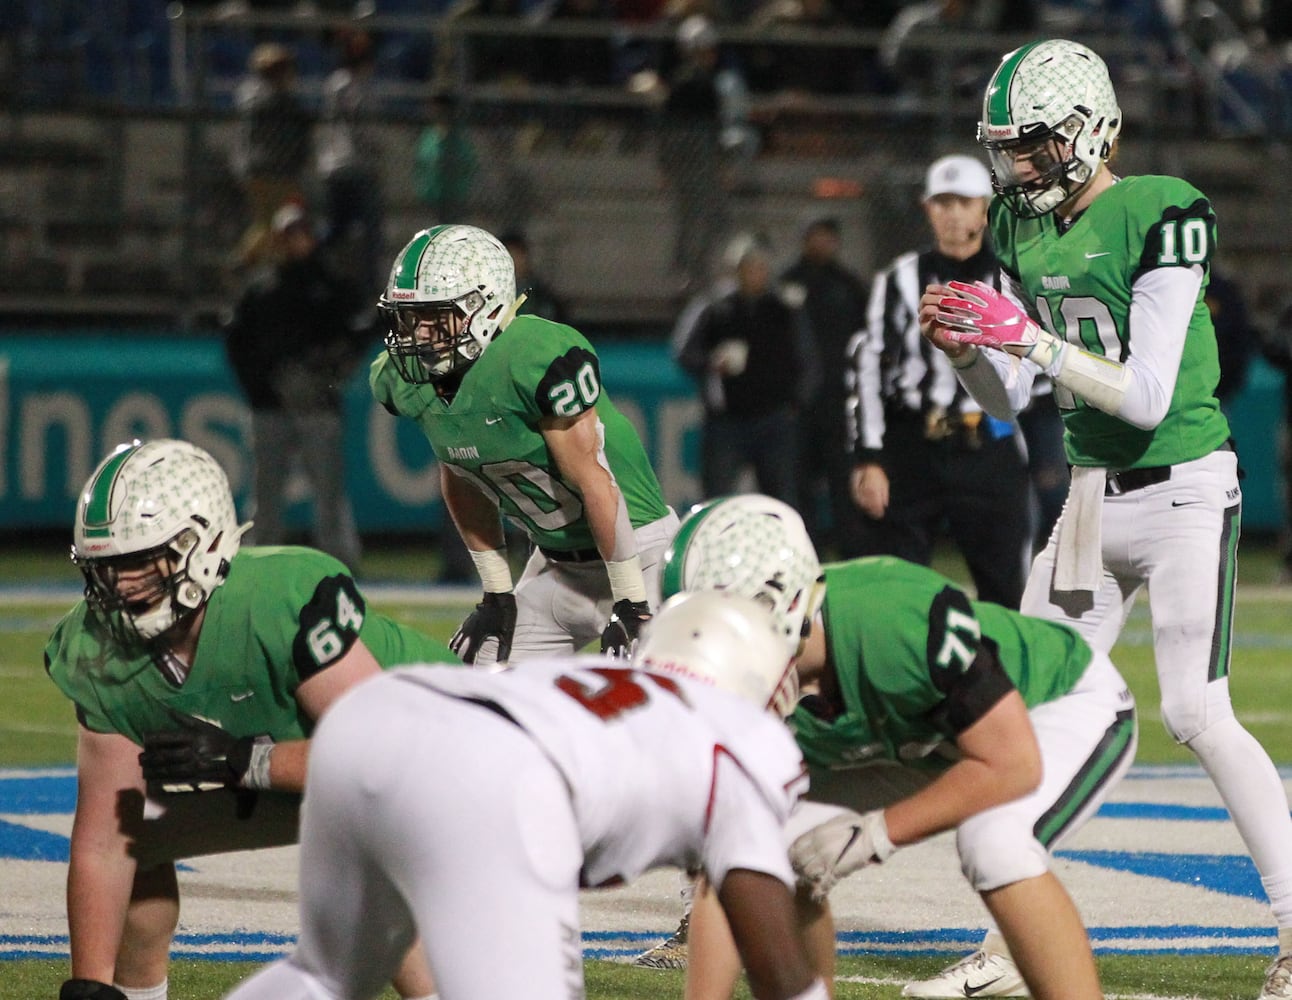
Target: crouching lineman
[473, 806]
[1012, 728]
[216, 659]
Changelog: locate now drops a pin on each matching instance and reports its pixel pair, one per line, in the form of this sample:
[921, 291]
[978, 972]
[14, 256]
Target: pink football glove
[985, 318]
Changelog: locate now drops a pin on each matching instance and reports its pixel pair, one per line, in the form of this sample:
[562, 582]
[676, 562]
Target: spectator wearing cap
[926, 460]
[834, 298]
[296, 335]
[271, 154]
[752, 352]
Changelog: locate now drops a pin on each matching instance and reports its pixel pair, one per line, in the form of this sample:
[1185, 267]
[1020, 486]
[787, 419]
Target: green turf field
[36, 728]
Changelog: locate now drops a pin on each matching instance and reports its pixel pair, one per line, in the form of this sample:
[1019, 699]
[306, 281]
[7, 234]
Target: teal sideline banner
[67, 398]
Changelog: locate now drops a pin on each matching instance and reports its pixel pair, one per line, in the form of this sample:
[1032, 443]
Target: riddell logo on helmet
[403, 293]
[1000, 131]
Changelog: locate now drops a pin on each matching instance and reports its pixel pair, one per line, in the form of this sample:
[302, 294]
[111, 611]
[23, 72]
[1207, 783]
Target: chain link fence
[558, 130]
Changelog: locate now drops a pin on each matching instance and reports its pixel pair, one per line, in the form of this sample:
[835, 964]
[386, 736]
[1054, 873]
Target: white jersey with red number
[661, 770]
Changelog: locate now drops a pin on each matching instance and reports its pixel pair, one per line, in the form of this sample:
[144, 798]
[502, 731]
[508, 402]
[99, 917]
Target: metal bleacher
[117, 202]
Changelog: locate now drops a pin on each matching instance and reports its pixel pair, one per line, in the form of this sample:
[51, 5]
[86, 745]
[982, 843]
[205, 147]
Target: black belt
[1135, 479]
[571, 555]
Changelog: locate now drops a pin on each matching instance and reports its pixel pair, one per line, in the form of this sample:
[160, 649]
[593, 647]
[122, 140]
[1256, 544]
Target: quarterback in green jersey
[927, 711]
[217, 660]
[514, 409]
[1103, 282]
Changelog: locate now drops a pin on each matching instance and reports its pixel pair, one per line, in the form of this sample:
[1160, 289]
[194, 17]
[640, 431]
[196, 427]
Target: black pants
[976, 496]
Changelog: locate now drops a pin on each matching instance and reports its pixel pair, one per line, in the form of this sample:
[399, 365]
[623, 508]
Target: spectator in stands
[540, 298]
[446, 163]
[755, 358]
[293, 340]
[803, 70]
[572, 60]
[835, 301]
[691, 149]
[273, 150]
[347, 156]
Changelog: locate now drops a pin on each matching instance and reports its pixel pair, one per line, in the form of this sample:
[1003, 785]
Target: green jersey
[283, 615]
[1080, 281]
[490, 433]
[903, 641]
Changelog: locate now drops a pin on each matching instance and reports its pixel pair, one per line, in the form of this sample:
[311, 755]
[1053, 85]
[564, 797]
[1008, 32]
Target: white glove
[837, 848]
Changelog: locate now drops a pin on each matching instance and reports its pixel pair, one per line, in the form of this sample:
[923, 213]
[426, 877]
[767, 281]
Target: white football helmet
[755, 546]
[723, 639]
[1055, 97]
[163, 500]
[445, 278]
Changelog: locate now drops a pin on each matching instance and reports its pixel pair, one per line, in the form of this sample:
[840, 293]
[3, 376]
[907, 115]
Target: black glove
[88, 989]
[625, 625]
[495, 617]
[199, 757]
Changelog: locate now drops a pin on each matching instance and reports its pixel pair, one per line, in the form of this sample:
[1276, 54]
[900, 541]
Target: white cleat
[670, 954]
[981, 974]
[1278, 979]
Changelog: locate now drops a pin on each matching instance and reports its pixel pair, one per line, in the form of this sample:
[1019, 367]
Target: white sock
[157, 992]
[1253, 793]
[1285, 940]
[994, 944]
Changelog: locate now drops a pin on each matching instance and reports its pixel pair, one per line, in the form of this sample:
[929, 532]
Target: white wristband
[884, 848]
[494, 570]
[257, 774]
[626, 580]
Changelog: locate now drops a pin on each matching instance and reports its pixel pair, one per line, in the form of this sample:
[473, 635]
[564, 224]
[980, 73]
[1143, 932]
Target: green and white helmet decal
[1053, 90]
[752, 545]
[457, 284]
[724, 639]
[145, 501]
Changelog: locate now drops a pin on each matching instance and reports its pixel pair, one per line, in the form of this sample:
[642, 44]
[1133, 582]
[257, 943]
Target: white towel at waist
[1079, 556]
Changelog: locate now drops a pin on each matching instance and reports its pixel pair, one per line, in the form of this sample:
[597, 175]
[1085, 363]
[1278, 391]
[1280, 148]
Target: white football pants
[431, 814]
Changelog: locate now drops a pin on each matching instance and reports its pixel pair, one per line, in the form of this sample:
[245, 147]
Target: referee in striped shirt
[926, 459]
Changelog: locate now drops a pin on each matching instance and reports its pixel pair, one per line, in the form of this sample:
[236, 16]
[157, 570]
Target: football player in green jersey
[1103, 284]
[514, 409]
[926, 711]
[217, 660]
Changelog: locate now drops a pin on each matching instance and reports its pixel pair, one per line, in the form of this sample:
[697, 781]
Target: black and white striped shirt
[893, 372]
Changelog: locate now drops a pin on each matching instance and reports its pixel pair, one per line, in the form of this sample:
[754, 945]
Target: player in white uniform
[1104, 281]
[473, 805]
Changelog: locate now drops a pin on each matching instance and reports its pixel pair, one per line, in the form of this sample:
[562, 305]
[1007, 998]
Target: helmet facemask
[1034, 176]
[452, 289]
[433, 341]
[142, 595]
